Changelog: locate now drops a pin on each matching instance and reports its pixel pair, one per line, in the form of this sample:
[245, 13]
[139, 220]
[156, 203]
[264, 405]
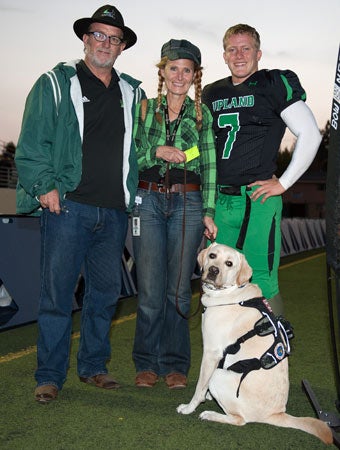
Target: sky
[300, 35]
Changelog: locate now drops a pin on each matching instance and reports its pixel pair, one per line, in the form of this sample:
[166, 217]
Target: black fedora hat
[110, 16]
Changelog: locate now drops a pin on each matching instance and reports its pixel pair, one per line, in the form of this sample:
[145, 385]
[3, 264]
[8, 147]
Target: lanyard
[170, 137]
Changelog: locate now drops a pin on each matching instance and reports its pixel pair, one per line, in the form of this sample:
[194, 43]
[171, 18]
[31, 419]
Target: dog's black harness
[268, 324]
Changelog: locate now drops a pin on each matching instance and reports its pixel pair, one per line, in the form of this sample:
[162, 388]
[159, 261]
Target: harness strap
[261, 328]
[275, 354]
[267, 324]
[245, 366]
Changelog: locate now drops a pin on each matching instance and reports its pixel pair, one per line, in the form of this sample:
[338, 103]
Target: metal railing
[8, 175]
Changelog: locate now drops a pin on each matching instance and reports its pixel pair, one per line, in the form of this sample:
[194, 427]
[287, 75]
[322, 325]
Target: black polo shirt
[102, 175]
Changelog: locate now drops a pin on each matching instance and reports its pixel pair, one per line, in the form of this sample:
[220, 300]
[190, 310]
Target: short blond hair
[242, 28]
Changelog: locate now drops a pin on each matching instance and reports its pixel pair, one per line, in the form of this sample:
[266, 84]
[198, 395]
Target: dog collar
[224, 287]
[230, 287]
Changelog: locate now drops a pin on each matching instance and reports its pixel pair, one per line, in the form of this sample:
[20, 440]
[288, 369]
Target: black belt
[159, 187]
[232, 190]
[236, 190]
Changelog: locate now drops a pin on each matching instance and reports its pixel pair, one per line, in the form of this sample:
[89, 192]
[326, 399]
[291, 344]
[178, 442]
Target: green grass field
[85, 417]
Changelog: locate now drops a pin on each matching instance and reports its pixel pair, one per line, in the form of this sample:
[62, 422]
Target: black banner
[333, 180]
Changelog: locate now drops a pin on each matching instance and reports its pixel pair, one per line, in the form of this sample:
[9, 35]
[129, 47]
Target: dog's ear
[245, 271]
[203, 253]
[201, 256]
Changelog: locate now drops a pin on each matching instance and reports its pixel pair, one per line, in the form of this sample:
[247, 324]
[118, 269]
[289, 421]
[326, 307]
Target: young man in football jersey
[251, 110]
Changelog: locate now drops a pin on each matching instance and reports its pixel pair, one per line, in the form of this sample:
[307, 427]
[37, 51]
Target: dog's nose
[213, 272]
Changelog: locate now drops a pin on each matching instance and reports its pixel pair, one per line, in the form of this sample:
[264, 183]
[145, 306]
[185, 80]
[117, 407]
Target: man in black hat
[77, 169]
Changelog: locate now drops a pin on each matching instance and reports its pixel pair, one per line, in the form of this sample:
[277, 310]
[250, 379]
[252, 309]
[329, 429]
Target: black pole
[332, 327]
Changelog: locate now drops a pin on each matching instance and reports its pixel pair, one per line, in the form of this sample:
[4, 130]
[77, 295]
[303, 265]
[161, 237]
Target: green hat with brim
[181, 49]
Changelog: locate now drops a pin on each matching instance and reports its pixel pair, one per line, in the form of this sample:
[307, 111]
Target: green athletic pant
[262, 243]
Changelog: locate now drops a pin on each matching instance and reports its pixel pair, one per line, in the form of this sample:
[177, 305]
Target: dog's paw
[185, 409]
[207, 415]
[208, 396]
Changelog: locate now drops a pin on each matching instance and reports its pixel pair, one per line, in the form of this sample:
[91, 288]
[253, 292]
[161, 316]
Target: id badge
[136, 218]
[135, 226]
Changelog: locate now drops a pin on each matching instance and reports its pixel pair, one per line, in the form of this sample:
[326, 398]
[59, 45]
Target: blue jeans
[165, 255]
[87, 237]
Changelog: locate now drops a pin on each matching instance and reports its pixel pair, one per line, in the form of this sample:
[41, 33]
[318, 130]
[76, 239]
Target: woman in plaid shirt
[174, 207]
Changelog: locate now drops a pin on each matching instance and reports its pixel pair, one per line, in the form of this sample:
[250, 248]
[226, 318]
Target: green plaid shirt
[150, 134]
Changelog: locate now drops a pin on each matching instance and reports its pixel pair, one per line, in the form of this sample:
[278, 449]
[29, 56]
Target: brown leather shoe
[176, 381]
[46, 393]
[103, 380]
[147, 378]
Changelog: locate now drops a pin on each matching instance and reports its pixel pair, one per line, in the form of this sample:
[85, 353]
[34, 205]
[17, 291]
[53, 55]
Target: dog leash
[178, 309]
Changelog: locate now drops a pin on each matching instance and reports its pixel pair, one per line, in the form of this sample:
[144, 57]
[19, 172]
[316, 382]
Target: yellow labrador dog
[244, 365]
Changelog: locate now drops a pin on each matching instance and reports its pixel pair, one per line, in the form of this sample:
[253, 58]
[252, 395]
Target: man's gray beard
[94, 61]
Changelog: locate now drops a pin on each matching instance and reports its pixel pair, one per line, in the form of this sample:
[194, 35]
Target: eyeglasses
[101, 37]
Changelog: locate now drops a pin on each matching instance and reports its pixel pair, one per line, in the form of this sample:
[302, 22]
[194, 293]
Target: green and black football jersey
[247, 123]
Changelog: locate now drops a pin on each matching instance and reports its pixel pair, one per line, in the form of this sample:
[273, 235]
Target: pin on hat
[181, 49]
[108, 15]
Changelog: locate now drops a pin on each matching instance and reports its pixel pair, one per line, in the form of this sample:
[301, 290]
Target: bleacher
[8, 176]
[8, 171]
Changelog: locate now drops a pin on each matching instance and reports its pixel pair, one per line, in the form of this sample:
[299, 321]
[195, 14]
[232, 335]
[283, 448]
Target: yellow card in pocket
[192, 153]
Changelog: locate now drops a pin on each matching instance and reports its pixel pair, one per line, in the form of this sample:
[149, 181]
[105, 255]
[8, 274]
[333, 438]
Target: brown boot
[103, 380]
[46, 393]
[147, 378]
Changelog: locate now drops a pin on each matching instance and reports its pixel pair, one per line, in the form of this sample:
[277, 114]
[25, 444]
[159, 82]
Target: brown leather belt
[149, 186]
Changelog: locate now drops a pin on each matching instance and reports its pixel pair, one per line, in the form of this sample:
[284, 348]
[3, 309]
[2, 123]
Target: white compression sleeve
[301, 122]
